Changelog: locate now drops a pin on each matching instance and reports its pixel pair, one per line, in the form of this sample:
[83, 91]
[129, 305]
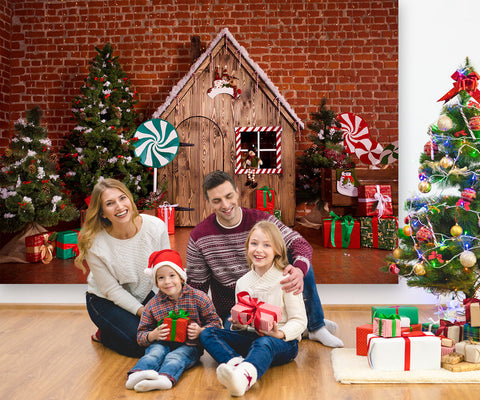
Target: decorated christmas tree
[31, 189]
[100, 145]
[325, 151]
[440, 242]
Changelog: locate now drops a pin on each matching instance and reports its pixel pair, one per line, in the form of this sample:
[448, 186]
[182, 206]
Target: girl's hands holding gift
[159, 333]
[275, 332]
[194, 330]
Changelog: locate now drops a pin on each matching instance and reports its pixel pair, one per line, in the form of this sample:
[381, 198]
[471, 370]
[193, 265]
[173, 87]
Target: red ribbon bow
[460, 133]
[245, 299]
[468, 83]
[435, 256]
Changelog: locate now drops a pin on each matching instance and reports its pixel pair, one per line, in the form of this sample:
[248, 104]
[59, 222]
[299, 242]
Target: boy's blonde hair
[280, 261]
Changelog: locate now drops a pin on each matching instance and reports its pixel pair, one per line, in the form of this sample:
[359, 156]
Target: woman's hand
[159, 333]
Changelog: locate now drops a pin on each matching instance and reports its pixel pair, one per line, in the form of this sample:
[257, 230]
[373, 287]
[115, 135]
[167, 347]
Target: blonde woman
[116, 242]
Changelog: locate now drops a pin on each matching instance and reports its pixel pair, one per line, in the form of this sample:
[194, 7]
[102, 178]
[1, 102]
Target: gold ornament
[419, 269]
[424, 186]
[8, 152]
[407, 230]
[398, 253]
[444, 123]
[446, 162]
[468, 259]
[456, 230]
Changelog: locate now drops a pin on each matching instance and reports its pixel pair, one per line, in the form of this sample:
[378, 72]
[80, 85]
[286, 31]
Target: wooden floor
[331, 266]
[46, 354]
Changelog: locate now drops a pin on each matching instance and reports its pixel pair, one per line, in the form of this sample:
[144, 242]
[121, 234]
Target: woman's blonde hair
[94, 220]
[280, 261]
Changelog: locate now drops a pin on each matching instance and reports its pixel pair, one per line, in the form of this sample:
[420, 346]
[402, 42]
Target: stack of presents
[395, 340]
[44, 246]
[376, 227]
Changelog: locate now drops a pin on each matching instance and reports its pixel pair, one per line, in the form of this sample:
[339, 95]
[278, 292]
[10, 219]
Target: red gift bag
[166, 213]
[265, 199]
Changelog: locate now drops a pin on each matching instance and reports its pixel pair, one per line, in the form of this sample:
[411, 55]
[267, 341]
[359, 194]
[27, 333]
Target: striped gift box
[471, 332]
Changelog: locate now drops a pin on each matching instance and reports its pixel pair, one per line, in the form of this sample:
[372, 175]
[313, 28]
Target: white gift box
[405, 353]
[404, 322]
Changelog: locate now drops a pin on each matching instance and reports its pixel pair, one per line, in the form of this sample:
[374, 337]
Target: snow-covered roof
[261, 74]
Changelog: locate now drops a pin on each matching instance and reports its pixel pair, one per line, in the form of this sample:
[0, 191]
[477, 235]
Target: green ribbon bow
[347, 222]
[393, 317]
[174, 316]
[266, 191]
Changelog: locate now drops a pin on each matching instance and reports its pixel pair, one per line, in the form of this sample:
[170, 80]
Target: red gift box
[375, 200]
[250, 311]
[467, 303]
[38, 248]
[177, 323]
[364, 330]
[166, 213]
[265, 199]
[344, 233]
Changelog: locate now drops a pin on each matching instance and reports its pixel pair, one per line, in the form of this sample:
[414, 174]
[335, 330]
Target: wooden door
[201, 151]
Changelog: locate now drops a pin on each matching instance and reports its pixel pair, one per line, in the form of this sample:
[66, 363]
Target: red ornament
[393, 268]
[468, 194]
[429, 147]
[424, 234]
[474, 123]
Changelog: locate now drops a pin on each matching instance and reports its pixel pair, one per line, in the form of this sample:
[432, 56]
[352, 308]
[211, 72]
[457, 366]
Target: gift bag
[166, 213]
[265, 199]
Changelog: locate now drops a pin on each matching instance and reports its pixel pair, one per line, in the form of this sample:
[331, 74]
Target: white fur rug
[350, 368]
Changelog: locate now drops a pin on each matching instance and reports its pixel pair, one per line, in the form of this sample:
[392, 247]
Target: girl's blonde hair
[94, 220]
[280, 261]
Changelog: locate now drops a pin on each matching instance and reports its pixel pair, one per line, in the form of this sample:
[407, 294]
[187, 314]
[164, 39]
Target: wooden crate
[365, 176]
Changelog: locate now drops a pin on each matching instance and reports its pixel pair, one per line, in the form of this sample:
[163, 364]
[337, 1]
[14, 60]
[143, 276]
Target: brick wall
[5, 31]
[345, 50]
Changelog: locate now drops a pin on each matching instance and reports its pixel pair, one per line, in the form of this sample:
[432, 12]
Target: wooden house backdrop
[217, 126]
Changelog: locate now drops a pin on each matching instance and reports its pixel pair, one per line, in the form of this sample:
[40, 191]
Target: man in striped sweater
[216, 256]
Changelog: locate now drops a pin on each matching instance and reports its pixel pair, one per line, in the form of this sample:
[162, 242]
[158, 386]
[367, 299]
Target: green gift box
[471, 332]
[404, 311]
[67, 244]
[379, 233]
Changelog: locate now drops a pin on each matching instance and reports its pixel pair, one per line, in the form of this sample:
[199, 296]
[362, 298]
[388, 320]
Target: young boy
[164, 361]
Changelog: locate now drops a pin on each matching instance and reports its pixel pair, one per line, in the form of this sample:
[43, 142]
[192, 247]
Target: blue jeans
[170, 359]
[313, 305]
[260, 351]
[118, 326]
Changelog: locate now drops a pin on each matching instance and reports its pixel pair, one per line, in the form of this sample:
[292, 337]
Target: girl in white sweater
[245, 354]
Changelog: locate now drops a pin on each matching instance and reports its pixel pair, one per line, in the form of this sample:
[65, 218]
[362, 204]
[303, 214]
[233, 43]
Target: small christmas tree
[440, 244]
[31, 188]
[326, 151]
[100, 145]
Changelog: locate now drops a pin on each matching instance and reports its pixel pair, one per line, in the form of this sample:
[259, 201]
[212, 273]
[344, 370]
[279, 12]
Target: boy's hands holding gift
[159, 333]
[194, 330]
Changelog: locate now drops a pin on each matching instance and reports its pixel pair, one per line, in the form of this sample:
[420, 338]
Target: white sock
[331, 326]
[138, 376]
[235, 361]
[161, 382]
[324, 336]
[237, 379]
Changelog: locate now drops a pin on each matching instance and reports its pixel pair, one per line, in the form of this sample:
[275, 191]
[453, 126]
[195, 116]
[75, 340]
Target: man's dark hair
[214, 179]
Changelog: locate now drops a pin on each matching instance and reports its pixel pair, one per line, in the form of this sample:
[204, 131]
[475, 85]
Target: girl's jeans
[118, 326]
[166, 358]
[261, 351]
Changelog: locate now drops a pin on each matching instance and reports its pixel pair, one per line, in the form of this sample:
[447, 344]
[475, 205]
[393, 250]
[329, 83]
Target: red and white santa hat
[165, 257]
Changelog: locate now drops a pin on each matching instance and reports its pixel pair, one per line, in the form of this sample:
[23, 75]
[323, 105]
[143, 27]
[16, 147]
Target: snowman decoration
[346, 184]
